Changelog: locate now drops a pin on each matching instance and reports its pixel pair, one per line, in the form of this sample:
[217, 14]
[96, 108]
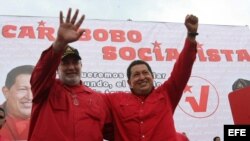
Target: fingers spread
[80, 21]
[68, 16]
[73, 20]
[61, 17]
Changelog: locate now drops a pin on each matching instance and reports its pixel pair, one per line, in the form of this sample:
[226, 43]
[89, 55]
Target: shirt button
[143, 136]
[142, 102]
[141, 122]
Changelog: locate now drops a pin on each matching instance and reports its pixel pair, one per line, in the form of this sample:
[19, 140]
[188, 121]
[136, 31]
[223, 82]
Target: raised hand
[69, 30]
[191, 23]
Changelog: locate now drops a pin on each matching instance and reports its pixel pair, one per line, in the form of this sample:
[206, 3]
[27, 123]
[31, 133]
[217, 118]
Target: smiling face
[141, 80]
[19, 97]
[69, 71]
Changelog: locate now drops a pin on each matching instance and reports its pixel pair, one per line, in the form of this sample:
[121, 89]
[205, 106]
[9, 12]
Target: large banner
[107, 47]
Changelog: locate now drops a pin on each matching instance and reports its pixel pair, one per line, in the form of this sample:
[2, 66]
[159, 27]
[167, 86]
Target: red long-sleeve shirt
[60, 112]
[151, 119]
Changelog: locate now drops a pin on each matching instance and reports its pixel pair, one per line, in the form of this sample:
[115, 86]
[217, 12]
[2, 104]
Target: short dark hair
[137, 62]
[11, 76]
[216, 137]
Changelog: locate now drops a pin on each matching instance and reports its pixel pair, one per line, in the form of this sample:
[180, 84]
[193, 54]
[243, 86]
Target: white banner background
[223, 58]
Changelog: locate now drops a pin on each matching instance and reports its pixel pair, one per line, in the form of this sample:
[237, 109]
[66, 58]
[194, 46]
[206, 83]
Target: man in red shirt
[64, 109]
[146, 114]
[16, 110]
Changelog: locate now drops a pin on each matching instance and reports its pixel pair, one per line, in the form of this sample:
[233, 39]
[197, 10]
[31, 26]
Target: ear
[6, 92]
[129, 83]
